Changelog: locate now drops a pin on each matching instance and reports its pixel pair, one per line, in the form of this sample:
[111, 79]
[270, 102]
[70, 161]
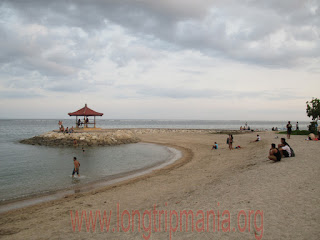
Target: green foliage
[313, 127]
[313, 108]
[297, 132]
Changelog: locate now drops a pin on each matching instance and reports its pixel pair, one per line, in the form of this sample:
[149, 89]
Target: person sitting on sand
[274, 153]
[215, 146]
[62, 128]
[312, 137]
[283, 142]
[258, 139]
[241, 128]
[284, 148]
[71, 130]
[285, 151]
[67, 130]
[76, 167]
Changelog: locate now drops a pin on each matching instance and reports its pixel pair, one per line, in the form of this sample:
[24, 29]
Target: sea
[28, 171]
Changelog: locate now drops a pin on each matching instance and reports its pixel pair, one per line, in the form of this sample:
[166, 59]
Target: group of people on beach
[65, 130]
[245, 127]
[283, 150]
[229, 142]
[289, 128]
[85, 122]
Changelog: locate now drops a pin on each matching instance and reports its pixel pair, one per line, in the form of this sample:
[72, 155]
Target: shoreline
[286, 194]
[88, 188]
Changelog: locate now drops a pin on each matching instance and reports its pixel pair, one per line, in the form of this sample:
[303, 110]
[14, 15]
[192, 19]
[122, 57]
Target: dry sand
[287, 192]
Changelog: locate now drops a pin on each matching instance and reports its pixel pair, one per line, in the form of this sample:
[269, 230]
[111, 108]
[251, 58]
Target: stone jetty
[103, 137]
[81, 138]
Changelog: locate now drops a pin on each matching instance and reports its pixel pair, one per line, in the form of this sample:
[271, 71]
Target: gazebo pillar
[94, 117]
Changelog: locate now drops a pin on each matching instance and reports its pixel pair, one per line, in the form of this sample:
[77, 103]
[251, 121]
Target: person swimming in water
[76, 167]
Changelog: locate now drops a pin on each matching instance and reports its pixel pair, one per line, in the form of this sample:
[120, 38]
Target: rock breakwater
[96, 138]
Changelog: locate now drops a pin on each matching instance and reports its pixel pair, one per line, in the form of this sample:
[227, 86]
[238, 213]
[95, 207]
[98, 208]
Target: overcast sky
[168, 59]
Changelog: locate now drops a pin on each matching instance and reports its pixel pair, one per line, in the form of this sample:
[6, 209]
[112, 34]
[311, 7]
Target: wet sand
[285, 195]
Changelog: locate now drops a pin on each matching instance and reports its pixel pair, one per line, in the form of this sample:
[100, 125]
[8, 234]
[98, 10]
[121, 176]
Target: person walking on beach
[230, 141]
[289, 129]
[297, 126]
[274, 153]
[76, 167]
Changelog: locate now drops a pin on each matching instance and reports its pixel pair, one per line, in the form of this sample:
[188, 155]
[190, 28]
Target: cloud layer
[180, 49]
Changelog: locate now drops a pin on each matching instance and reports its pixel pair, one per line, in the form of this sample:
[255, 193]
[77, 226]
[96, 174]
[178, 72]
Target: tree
[313, 110]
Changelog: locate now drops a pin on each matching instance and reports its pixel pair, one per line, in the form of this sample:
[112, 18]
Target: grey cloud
[226, 29]
[181, 93]
[189, 24]
[19, 94]
[184, 93]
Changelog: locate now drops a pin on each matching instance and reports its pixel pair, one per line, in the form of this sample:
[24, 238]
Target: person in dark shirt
[274, 153]
[289, 129]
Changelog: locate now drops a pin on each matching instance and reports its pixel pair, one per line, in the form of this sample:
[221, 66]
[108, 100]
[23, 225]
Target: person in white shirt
[284, 148]
[258, 139]
[285, 151]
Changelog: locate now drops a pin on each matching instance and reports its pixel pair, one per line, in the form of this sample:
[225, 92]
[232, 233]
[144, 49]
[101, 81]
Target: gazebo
[85, 112]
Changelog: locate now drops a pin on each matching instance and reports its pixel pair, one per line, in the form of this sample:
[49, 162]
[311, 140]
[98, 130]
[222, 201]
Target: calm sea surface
[27, 170]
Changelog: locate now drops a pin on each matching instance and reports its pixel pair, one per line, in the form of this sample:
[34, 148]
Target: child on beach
[215, 146]
[258, 139]
[76, 167]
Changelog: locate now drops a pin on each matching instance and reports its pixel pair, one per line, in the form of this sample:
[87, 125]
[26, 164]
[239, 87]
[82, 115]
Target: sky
[168, 59]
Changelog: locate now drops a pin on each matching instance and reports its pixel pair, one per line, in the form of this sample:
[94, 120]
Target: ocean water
[27, 170]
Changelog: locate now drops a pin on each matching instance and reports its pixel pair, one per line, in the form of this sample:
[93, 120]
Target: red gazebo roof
[85, 111]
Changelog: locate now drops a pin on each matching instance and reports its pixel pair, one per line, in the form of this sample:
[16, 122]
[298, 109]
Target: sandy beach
[254, 197]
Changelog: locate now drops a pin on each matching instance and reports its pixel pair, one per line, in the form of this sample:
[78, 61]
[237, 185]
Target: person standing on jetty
[289, 129]
[76, 167]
